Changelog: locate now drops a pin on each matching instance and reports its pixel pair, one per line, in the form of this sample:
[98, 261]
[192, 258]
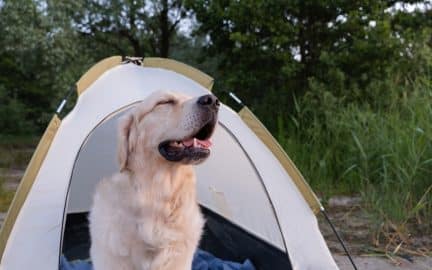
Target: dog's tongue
[197, 143]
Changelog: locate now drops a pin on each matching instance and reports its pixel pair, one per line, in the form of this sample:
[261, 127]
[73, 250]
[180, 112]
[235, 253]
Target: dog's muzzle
[195, 148]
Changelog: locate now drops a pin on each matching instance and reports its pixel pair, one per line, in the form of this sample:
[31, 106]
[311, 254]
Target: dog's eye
[168, 101]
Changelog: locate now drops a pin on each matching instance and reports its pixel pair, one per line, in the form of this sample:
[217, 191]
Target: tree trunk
[165, 30]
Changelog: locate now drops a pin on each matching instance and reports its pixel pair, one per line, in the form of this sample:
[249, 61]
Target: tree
[41, 57]
[22, 31]
[272, 50]
[46, 46]
[252, 42]
[131, 27]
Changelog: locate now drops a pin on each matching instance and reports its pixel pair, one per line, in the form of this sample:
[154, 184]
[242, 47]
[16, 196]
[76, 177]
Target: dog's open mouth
[193, 149]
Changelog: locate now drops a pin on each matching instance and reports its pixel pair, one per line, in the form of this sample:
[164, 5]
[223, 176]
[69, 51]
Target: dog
[146, 216]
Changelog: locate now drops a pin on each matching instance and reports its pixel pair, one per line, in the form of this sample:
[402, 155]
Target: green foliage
[269, 51]
[124, 27]
[250, 39]
[40, 58]
[13, 117]
[5, 197]
[45, 47]
[386, 154]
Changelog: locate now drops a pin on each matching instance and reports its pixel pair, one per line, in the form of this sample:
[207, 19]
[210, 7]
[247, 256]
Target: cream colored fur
[146, 216]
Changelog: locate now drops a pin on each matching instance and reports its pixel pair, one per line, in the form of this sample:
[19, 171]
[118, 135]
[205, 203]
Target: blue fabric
[75, 265]
[202, 261]
[205, 261]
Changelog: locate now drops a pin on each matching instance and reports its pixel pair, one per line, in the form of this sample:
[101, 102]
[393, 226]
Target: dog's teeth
[195, 143]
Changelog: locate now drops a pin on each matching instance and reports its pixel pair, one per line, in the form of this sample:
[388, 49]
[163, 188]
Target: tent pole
[323, 211]
[65, 99]
[233, 96]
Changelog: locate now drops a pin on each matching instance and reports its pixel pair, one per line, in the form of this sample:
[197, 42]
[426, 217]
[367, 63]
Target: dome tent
[255, 201]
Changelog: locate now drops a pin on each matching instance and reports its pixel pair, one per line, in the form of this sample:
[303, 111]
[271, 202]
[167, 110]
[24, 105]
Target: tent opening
[230, 233]
[222, 238]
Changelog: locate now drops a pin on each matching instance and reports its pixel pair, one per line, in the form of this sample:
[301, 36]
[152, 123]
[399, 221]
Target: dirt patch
[13, 161]
[11, 178]
[359, 231]
[383, 263]
[350, 221]
[15, 158]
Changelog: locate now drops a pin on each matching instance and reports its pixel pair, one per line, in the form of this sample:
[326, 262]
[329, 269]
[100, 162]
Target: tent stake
[323, 211]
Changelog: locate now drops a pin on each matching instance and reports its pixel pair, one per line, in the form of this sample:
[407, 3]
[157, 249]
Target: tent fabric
[261, 131]
[206, 261]
[304, 242]
[98, 69]
[288, 222]
[95, 72]
[231, 242]
[27, 181]
[187, 71]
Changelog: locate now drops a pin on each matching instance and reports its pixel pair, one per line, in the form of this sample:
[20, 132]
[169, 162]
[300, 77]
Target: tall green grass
[6, 196]
[382, 151]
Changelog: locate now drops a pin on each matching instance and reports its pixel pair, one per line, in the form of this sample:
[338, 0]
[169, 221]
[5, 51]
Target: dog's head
[170, 126]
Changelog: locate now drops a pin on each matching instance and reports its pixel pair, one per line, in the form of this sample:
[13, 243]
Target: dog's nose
[208, 101]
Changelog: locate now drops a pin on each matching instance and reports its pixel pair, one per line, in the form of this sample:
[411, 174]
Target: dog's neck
[169, 177]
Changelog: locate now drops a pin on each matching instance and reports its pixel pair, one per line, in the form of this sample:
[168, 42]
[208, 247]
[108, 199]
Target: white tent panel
[229, 185]
[97, 159]
[305, 244]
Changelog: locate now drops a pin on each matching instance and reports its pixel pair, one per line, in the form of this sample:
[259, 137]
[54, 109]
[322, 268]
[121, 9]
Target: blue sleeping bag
[202, 261]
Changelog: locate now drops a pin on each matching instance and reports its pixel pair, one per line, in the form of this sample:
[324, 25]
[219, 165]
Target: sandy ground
[354, 225]
[378, 263]
[349, 221]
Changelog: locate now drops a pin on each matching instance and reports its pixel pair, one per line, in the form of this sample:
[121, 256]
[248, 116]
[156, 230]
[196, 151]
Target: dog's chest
[158, 221]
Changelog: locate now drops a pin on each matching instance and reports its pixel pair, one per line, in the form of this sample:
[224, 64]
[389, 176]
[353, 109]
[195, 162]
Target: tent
[256, 203]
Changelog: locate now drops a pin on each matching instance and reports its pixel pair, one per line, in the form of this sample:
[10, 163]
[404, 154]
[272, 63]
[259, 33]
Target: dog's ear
[126, 139]
[128, 132]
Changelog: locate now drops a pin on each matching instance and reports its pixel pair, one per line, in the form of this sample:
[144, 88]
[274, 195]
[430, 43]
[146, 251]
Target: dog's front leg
[104, 259]
[173, 259]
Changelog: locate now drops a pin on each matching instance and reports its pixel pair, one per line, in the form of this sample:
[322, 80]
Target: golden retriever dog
[146, 216]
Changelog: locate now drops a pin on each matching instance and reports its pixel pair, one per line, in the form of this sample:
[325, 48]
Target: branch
[134, 42]
[174, 25]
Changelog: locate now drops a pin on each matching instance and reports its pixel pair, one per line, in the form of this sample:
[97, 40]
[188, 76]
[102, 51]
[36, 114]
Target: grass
[18, 141]
[6, 196]
[15, 153]
[383, 153]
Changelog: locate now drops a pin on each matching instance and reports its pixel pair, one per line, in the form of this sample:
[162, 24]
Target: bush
[13, 115]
